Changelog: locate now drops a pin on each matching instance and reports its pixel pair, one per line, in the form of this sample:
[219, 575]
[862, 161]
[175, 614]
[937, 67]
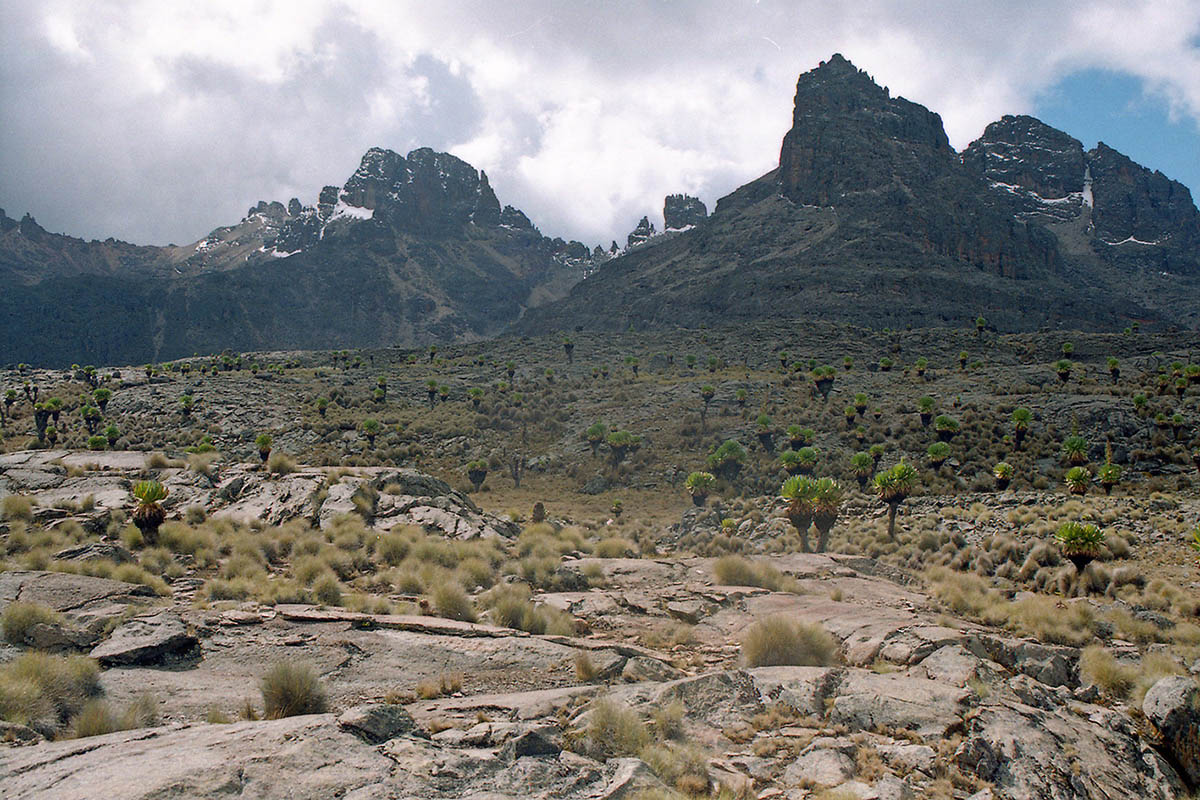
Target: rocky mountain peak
[642, 233]
[682, 211]
[1022, 152]
[850, 136]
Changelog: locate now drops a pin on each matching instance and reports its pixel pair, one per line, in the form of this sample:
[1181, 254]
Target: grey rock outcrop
[682, 211]
[148, 639]
[1173, 706]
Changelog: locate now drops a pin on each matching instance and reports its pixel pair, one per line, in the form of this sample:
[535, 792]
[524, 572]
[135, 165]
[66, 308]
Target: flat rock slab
[148, 639]
[402, 622]
[67, 593]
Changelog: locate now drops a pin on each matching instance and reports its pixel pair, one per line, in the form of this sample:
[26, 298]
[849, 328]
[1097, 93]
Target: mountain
[410, 250]
[872, 218]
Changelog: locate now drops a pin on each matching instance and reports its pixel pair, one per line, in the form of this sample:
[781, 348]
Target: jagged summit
[873, 218]
[410, 249]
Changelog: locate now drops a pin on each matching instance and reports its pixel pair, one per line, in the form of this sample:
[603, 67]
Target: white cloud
[156, 120]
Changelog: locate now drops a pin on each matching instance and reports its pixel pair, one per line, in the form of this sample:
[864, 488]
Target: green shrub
[290, 689]
[778, 641]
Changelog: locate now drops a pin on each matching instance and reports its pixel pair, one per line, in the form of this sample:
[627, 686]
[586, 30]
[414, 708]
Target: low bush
[778, 641]
[290, 689]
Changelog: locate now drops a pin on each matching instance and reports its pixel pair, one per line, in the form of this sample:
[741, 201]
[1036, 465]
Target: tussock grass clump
[614, 730]
[683, 766]
[778, 641]
[16, 506]
[280, 464]
[46, 691]
[510, 606]
[1098, 666]
[1046, 619]
[20, 616]
[99, 717]
[733, 570]
[290, 689]
[450, 600]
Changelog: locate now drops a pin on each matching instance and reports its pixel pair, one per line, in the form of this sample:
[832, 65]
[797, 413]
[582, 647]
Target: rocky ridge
[872, 218]
[411, 249]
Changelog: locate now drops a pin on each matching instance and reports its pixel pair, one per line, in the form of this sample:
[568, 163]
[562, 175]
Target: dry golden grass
[778, 641]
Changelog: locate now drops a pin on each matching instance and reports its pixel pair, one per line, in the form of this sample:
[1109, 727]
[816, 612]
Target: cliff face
[410, 250]
[872, 218]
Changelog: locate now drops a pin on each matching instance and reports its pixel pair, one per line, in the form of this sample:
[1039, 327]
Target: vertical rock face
[1025, 153]
[1130, 215]
[887, 162]
[1135, 206]
[682, 211]
[850, 136]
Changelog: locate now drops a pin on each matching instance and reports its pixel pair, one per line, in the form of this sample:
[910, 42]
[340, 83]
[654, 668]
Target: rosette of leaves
[861, 465]
[826, 504]
[699, 485]
[477, 472]
[1063, 368]
[595, 435]
[621, 444]
[1003, 473]
[800, 492]
[946, 426]
[1080, 544]
[790, 461]
[925, 406]
[727, 459]
[1077, 480]
[148, 515]
[894, 486]
[1075, 450]
[263, 442]
[938, 452]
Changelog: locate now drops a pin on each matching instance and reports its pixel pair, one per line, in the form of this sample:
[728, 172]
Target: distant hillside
[410, 250]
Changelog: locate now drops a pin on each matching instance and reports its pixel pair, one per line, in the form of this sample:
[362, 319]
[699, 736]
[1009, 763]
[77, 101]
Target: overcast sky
[157, 121]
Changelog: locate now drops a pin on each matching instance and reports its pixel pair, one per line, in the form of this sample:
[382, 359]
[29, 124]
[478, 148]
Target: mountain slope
[872, 218]
[410, 250]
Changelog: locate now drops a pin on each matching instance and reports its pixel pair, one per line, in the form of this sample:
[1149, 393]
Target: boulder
[377, 722]
[148, 639]
[1173, 706]
[1022, 751]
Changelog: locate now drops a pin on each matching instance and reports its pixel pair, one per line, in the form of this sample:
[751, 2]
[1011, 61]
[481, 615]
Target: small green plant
[1063, 368]
[946, 426]
[1077, 480]
[1080, 543]
[861, 465]
[938, 452]
[148, 515]
[699, 486]
[1003, 473]
[727, 459]
[1075, 450]
[263, 443]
